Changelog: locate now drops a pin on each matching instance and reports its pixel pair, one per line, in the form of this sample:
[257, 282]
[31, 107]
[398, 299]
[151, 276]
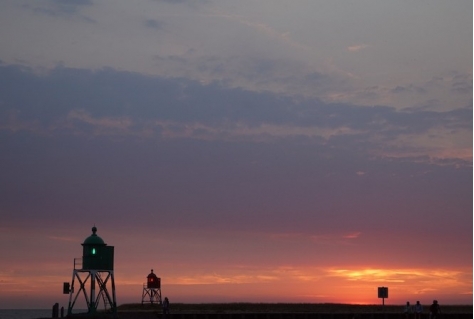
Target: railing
[78, 263]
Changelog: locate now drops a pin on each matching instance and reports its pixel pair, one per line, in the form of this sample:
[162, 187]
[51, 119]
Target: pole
[92, 300]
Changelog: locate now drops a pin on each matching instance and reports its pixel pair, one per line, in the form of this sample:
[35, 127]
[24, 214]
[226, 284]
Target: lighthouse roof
[94, 239]
[151, 275]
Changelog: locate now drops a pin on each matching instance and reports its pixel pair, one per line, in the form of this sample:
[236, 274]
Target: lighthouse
[152, 289]
[93, 276]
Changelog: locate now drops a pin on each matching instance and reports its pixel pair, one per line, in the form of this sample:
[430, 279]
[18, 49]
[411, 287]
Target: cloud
[72, 2]
[71, 239]
[409, 88]
[61, 7]
[154, 24]
[248, 274]
[209, 279]
[335, 238]
[271, 55]
[449, 278]
[191, 3]
[99, 126]
[357, 47]
[239, 140]
[163, 108]
[261, 28]
[353, 235]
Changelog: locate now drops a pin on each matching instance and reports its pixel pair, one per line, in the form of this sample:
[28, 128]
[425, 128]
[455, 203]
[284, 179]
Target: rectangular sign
[66, 288]
[383, 292]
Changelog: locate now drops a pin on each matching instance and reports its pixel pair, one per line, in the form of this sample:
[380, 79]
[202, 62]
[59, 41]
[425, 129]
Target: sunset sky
[246, 150]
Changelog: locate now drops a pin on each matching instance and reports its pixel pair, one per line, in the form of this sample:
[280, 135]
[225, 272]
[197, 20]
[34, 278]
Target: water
[30, 313]
[25, 313]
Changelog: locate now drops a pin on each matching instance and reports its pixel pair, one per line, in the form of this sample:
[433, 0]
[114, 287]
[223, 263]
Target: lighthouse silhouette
[152, 289]
[94, 273]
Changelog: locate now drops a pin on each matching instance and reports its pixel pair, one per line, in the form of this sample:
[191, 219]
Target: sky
[301, 151]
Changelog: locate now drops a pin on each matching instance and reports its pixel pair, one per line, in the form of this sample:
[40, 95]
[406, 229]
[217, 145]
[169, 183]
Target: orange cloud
[352, 235]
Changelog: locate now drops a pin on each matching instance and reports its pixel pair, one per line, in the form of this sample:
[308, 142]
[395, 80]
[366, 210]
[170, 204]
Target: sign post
[383, 293]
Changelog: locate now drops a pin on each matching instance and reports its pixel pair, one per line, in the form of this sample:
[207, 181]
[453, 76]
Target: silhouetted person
[407, 310]
[418, 310]
[166, 307]
[434, 310]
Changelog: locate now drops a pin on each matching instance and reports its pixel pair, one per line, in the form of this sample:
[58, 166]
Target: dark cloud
[408, 88]
[462, 84]
[79, 144]
[60, 7]
[72, 101]
[154, 24]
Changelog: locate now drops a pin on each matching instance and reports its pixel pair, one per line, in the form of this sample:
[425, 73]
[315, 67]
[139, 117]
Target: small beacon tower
[152, 289]
[94, 273]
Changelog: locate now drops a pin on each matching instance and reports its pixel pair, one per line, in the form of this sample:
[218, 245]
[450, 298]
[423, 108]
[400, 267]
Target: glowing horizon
[208, 282]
